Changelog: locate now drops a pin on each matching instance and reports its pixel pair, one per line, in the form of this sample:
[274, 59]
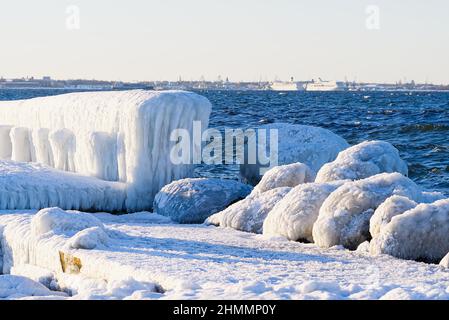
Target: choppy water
[417, 123]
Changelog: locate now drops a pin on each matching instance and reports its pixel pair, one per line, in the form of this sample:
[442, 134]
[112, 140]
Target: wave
[425, 127]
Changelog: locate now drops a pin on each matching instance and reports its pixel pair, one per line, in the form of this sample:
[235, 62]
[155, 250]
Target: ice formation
[289, 175]
[293, 217]
[16, 287]
[90, 238]
[194, 200]
[362, 161]
[421, 233]
[344, 216]
[445, 261]
[57, 221]
[393, 206]
[249, 214]
[116, 136]
[299, 143]
[35, 186]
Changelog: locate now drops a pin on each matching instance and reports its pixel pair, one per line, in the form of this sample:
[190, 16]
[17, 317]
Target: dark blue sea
[417, 123]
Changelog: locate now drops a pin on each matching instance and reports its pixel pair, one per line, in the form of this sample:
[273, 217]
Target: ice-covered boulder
[249, 214]
[298, 143]
[344, 216]
[194, 200]
[35, 186]
[393, 206]
[67, 223]
[421, 234]
[119, 135]
[293, 217]
[289, 175]
[362, 161]
[16, 287]
[445, 261]
[90, 238]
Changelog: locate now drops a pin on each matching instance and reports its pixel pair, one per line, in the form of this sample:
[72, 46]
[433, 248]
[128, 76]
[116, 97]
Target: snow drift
[293, 217]
[35, 186]
[249, 214]
[289, 175]
[312, 146]
[421, 234]
[344, 216]
[116, 136]
[362, 161]
[194, 200]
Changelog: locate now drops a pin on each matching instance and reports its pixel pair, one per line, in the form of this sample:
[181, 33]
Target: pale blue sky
[242, 39]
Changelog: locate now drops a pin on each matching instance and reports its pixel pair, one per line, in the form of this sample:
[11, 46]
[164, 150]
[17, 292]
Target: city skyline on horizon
[364, 41]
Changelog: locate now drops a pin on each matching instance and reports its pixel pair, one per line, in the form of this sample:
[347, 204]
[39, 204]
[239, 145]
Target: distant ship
[321, 85]
[287, 86]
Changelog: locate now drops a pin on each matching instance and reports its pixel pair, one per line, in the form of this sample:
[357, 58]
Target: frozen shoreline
[200, 262]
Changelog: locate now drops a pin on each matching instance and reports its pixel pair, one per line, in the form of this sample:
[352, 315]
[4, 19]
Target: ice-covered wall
[116, 136]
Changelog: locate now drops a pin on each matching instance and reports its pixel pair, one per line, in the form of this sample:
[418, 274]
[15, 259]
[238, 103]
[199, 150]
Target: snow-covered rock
[16, 287]
[293, 217]
[445, 261]
[67, 223]
[90, 238]
[35, 186]
[362, 161]
[289, 175]
[194, 200]
[119, 135]
[298, 143]
[421, 234]
[249, 214]
[344, 216]
[393, 206]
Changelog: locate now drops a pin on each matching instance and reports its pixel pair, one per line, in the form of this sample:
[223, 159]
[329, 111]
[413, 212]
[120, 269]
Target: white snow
[249, 214]
[35, 186]
[421, 233]
[393, 206]
[16, 287]
[119, 135]
[293, 216]
[362, 161]
[445, 261]
[345, 214]
[5, 143]
[289, 175]
[90, 238]
[157, 261]
[193, 200]
[312, 146]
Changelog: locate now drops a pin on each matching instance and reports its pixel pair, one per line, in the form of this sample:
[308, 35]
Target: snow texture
[194, 200]
[35, 186]
[362, 161]
[293, 217]
[393, 206]
[90, 238]
[68, 223]
[16, 287]
[289, 175]
[344, 216]
[249, 214]
[172, 261]
[421, 234]
[116, 136]
[312, 146]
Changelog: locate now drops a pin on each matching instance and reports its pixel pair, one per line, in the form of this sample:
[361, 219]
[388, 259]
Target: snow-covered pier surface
[146, 259]
[116, 136]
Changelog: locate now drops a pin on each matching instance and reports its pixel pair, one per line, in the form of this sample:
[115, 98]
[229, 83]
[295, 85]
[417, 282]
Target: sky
[245, 40]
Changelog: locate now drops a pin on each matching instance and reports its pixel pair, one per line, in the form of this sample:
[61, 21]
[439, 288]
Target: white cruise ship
[321, 85]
